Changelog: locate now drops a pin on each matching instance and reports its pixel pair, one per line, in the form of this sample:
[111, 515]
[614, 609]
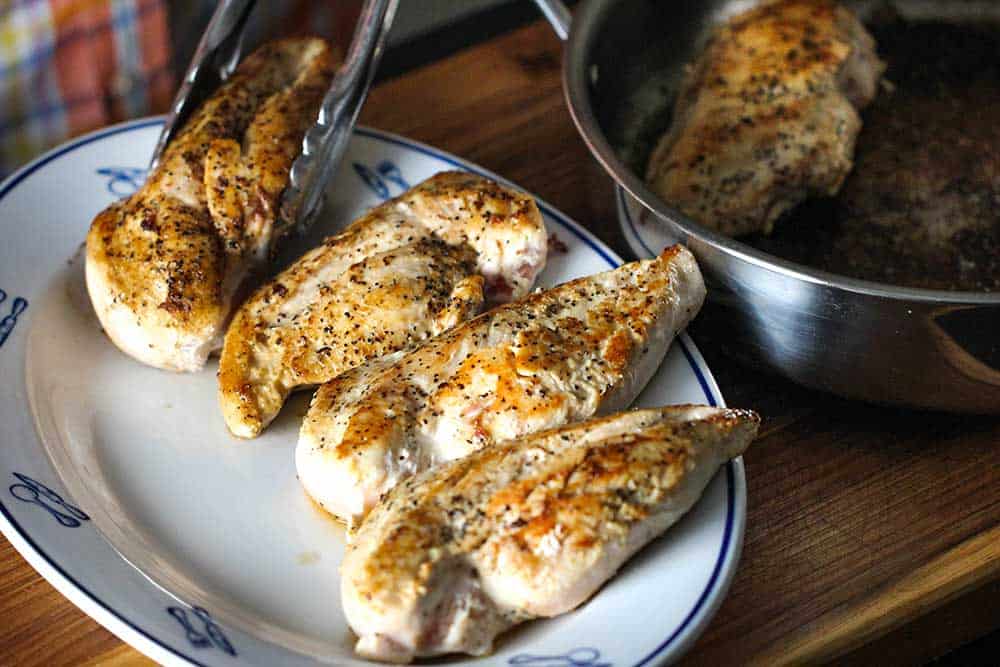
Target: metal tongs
[323, 145]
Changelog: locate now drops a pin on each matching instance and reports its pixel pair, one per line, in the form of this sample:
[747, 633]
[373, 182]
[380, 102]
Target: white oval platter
[121, 486]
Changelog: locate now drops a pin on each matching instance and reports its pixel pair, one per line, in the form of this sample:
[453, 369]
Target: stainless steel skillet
[859, 339]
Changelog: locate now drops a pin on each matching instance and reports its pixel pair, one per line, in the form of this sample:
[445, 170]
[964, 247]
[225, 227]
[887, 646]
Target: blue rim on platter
[631, 232]
[130, 631]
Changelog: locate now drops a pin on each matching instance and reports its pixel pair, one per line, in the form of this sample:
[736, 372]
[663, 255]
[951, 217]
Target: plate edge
[150, 645]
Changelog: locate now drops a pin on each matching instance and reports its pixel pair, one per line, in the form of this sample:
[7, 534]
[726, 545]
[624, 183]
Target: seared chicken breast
[557, 356]
[767, 116]
[527, 528]
[163, 266]
[405, 271]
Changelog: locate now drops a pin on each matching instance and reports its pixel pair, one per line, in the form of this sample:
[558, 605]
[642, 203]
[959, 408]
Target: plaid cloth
[68, 66]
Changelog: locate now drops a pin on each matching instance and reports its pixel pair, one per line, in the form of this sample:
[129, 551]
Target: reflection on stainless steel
[962, 336]
[865, 340]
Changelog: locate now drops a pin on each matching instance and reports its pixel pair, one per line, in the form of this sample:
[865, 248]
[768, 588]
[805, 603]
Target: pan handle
[558, 15]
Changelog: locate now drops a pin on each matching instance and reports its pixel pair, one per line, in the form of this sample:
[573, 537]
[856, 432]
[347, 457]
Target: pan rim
[587, 23]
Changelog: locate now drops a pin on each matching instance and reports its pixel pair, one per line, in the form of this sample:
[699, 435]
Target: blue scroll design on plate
[123, 181]
[8, 321]
[210, 633]
[578, 657]
[32, 491]
[379, 178]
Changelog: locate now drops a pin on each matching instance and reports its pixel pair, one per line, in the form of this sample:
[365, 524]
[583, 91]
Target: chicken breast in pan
[405, 271]
[163, 266]
[767, 116]
[565, 354]
[528, 528]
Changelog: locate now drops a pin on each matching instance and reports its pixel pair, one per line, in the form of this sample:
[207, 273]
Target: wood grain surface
[866, 525]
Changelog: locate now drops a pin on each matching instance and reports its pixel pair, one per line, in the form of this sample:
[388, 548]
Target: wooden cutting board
[873, 534]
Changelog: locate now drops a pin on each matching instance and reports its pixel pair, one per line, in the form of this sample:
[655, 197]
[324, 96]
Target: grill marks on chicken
[405, 271]
[767, 116]
[527, 528]
[565, 354]
[164, 264]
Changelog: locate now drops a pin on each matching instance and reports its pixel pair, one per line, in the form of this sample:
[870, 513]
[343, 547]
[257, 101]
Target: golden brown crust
[767, 115]
[503, 226]
[556, 356]
[510, 362]
[163, 259]
[406, 270]
[165, 267]
[541, 522]
[379, 305]
[243, 186]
